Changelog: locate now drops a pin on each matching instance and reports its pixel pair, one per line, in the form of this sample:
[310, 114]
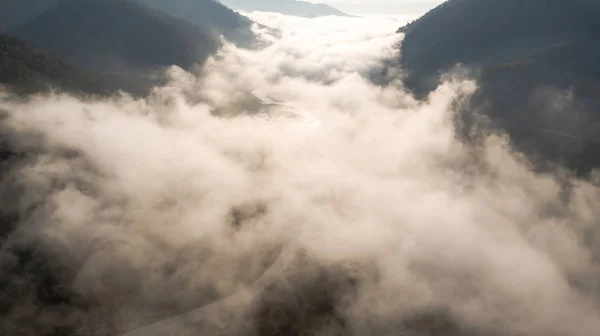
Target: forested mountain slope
[538, 69]
[210, 14]
[123, 43]
[26, 69]
[117, 35]
[17, 12]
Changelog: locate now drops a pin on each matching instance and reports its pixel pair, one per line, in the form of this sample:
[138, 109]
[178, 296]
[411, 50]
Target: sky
[402, 7]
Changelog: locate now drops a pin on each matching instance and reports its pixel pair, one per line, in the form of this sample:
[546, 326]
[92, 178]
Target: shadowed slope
[537, 64]
[117, 35]
[26, 69]
[210, 14]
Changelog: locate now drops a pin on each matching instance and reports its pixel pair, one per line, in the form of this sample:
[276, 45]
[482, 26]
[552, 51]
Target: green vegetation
[113, 35]
[211, 15]
[122, 43]
[538, 69]
[16, 12]
[490, 32]
[26, 69]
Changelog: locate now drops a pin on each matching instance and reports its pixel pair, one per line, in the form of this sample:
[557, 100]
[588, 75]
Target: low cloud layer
[279, 190]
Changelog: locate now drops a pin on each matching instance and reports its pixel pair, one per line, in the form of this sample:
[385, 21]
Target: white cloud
[346, 172]
[399, 7]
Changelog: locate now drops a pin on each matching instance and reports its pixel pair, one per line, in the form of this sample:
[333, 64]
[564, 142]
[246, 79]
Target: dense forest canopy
[210, 14]
[16, 12]
[117, 35]
[484, 32]
[123, 43]
[522, 50]
[27, 69]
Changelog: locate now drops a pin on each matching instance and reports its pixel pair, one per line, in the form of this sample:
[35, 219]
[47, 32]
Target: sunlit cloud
[274, 174]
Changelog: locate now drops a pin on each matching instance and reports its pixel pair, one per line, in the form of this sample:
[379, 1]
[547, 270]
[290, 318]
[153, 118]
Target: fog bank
[279, 190]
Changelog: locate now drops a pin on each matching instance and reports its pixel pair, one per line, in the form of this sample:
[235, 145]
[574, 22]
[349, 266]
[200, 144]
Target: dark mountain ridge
[537, 65]
[287, 7]
[211, 14]
[17, 12]
[122, 42]
[25, 69]
[116, 35]
[488, 32]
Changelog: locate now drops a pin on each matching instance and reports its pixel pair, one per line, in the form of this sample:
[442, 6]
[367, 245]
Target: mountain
[26, 69]
[211, 14]
[116, 35]
[124, 43]
[287, 7]
[489, 32]
[536, 61]
[17, 12]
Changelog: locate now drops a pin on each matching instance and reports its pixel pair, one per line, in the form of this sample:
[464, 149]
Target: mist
[280, 191]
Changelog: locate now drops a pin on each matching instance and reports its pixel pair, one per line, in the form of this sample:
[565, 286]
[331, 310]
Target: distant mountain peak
[287, 7]
[211, 14]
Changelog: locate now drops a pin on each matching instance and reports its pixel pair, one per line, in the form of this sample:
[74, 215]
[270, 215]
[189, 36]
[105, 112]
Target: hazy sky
[413, 7]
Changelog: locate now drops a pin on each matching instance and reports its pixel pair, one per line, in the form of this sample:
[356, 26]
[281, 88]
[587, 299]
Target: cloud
[407, 8]
[347, 207]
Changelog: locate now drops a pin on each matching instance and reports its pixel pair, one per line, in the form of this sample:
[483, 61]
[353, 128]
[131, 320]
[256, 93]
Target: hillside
[26, 69]
[287, 7]
[529, 55]
[116, 35]
[17, 12]
[211, 14]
